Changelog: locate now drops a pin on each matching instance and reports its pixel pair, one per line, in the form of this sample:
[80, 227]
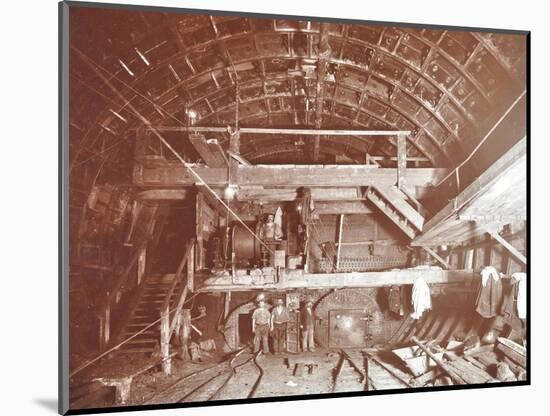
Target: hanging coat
[421, 299]
[487, 273]
[394, 300]
[509, 299]
[489, 298]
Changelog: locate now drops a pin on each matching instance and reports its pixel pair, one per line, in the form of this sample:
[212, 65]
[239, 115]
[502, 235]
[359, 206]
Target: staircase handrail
[168, 325]
[177, 278]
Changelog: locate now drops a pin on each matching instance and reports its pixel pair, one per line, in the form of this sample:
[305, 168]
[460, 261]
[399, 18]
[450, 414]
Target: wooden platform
[343, 280]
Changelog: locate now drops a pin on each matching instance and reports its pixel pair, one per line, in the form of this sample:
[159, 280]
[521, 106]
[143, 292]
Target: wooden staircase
[146, 311]
[399, 207]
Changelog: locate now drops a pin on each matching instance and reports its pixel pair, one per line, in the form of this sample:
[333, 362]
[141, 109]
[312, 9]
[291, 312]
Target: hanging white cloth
[521, 301]
[488, 272]
[421, 298]
[278, 220]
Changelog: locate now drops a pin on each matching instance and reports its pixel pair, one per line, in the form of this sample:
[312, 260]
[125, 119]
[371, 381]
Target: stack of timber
[428, 364]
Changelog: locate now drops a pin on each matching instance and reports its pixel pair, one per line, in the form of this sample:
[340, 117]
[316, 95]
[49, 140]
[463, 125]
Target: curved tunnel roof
[446, 87]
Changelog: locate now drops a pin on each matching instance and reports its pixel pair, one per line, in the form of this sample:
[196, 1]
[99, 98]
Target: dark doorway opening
[246, 336]
[175, 227]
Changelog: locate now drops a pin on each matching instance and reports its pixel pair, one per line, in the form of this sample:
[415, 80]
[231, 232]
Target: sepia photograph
[265, 207]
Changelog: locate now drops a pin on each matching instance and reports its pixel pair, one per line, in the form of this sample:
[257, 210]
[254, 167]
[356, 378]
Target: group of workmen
[265, 323]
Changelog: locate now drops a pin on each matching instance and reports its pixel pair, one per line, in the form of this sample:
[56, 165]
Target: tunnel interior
[222, 164]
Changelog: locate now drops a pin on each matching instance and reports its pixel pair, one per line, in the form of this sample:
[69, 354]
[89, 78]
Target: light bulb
[229, 192]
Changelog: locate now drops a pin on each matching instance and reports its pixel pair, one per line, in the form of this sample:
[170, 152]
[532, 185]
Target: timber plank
[398, 199]
[158, 172]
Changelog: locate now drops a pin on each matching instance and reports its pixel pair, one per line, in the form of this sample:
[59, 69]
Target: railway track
[238, 384]
[237, 377]
[349, 374]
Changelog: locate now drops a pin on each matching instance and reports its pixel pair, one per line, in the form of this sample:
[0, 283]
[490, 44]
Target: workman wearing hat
[279, 319]
[307, 325]
[261, 319]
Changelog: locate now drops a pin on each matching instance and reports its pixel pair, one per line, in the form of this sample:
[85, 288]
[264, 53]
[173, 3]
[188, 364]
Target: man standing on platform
[261, 319]
[279, 319]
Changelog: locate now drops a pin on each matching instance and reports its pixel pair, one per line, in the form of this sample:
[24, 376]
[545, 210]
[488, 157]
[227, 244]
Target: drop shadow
[48, 404]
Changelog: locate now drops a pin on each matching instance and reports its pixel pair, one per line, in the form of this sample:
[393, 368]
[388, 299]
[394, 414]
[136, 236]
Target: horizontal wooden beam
[165, 194]
[327, 198]
[344, 280]
[260, 193]
[384, 242]
[486, 218]
[462, 231]
[304, 132]
[171, 173]
[394, 159]
[343, 207]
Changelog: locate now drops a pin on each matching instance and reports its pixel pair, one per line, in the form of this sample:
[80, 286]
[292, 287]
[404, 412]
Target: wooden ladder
[396, 205]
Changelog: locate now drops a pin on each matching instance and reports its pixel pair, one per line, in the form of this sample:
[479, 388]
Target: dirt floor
[247, 375]
[243, 375]
[265, 376]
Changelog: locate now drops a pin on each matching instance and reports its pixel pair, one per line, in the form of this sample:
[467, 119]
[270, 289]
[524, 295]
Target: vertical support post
[322, 67]
[293, 325]
[469, 260]
[235, 146]
[340, 232]
[479, 258]
[199, 220]
[142, 257]
[102, 346]
[488, 252]
[165, 341]
[191, 270]
[136, 208]
[105, 329]
[401, 160]
[226, 305]
[185, 333]
[306, 249]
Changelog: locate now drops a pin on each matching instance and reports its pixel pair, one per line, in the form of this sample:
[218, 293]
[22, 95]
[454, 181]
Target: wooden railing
[172, 314]
[112, 298]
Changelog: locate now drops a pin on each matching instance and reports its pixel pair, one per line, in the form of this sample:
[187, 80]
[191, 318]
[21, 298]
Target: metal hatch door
[347, 328]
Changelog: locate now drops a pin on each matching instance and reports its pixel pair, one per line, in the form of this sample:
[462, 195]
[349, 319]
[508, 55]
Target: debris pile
[466, 362]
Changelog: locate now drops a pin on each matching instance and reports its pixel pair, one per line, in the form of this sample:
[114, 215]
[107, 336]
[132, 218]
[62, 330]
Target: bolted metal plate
[347, 328]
